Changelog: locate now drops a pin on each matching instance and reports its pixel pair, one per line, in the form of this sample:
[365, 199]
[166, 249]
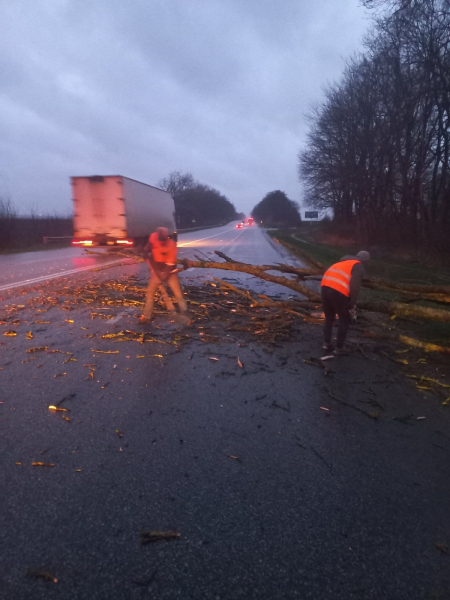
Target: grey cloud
[217, 88]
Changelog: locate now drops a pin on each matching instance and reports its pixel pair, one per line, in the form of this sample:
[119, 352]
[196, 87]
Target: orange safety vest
[163, 252]
[338, 276]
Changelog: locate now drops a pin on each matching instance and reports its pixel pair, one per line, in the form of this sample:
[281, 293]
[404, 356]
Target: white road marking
[220, 249]
[43, 278]
[240, 233]
[200, 239]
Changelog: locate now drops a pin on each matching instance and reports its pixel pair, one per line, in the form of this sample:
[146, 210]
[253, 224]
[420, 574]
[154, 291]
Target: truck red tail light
[82, 242]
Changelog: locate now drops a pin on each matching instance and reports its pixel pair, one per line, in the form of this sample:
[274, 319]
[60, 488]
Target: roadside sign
[311, 214]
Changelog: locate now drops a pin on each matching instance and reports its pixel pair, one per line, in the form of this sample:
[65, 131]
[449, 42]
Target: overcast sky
[217, 88]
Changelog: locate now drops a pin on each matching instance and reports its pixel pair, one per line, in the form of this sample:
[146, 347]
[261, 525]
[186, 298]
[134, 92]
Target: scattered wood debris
[150, 537]
[41, 574]
[443, 548]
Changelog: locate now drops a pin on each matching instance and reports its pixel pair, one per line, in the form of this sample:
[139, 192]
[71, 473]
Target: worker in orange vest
[340, 288]
[161, 256]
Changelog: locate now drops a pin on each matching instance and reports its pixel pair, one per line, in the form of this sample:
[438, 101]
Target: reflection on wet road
[28, 268]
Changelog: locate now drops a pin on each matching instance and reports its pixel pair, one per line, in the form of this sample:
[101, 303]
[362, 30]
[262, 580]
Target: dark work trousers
[335, 303]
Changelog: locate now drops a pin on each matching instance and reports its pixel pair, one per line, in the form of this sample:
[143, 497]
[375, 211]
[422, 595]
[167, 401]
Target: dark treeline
[197, 204]
[378, 147]
[276, 210]
[18, 232]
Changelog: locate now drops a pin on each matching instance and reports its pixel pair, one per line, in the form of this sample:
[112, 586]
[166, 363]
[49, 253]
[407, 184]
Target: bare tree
[177, 182]
[7, 209]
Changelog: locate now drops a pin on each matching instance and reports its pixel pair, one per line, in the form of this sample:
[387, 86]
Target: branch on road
[253, 270]
[278, 267]
[406, 310]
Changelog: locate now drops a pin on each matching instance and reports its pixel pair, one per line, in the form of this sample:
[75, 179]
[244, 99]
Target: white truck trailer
[113, 210]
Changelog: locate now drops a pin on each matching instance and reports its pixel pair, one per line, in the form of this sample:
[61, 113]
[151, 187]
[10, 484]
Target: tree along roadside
[22, 234]
[377, 154]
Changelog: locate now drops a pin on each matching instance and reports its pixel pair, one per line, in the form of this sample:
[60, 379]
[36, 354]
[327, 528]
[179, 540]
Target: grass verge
[400, 272]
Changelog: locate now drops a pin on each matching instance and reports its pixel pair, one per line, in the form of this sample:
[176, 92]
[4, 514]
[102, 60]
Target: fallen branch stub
[427, 346]
[225, 257]
[150, 537]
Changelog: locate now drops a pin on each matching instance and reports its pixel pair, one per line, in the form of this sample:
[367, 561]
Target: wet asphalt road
[277, 478]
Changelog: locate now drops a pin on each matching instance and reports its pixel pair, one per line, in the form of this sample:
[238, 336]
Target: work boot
[340, 352]
[144, 320]
[328, 348]
[184, 319]
[327, 351]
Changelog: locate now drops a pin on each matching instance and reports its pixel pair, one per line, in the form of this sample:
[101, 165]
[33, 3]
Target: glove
[353, 315]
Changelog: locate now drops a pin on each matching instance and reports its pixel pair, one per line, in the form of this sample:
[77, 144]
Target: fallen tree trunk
[427, 346]
[406, 310]
[257, 272]
[404, 339]
[278, 267]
